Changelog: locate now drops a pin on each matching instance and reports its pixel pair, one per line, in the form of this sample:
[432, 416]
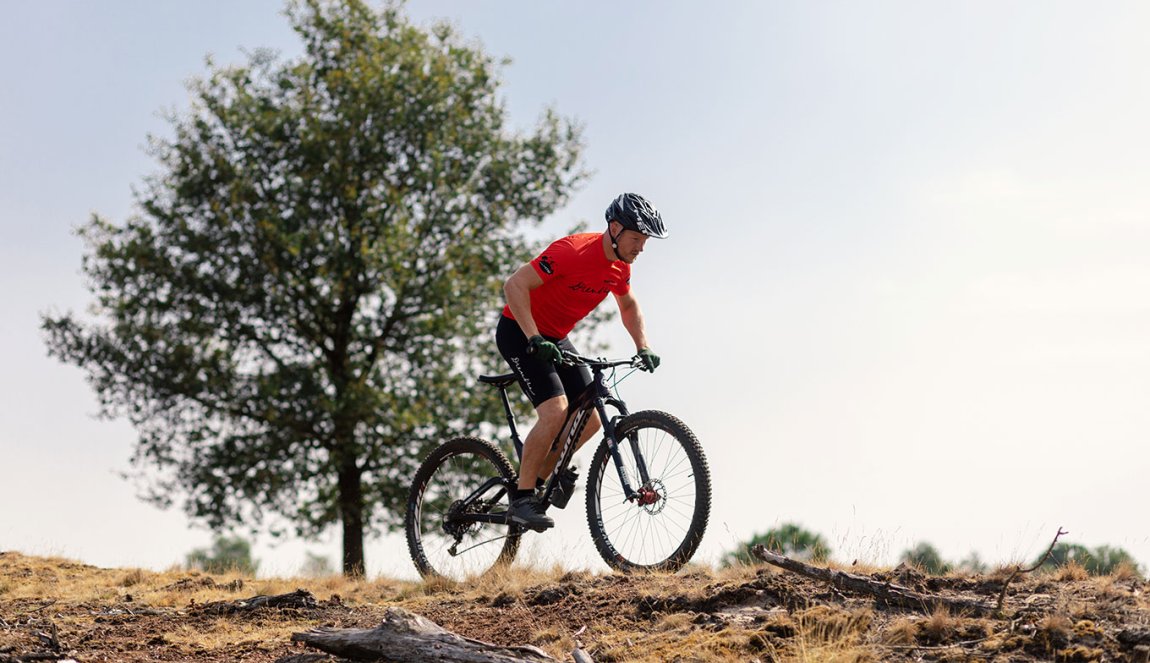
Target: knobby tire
[662, 536]
[449, 474]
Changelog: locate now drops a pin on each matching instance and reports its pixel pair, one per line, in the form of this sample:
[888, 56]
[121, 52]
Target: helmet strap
[614, 238]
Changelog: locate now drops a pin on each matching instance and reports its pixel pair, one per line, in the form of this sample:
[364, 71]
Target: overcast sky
[906, 295]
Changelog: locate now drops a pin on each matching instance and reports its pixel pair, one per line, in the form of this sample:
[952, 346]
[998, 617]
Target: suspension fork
[613, 446]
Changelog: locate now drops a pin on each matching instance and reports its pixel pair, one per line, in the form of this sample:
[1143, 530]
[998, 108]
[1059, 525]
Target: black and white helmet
[634, 212]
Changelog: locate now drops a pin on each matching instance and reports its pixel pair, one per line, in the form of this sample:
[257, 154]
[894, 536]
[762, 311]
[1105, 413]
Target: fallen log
[405, 637]
[300, 599]
[884, 591]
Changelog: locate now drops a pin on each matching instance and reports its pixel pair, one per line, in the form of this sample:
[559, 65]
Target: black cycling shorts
[540, 380]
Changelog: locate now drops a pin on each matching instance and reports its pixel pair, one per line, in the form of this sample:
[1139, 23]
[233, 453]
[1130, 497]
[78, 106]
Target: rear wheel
[463, 476]
[660, 528]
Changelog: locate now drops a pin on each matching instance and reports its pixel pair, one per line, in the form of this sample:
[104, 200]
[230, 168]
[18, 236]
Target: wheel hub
[453, 527]
[653, 497]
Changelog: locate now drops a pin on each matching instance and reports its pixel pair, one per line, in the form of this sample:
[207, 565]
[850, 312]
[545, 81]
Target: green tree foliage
[295, 312]
[788, 539]
[924, 556]
[227, 554]
[1099, 561]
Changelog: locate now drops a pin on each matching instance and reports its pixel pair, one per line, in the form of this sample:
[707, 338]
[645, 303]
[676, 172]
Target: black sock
[539, 483]
[520, 493]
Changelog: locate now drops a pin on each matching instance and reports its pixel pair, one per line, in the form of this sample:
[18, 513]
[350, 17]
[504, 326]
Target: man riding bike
[546, 298]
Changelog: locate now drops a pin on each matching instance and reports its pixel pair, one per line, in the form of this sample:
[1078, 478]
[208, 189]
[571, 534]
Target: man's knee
[552, 411]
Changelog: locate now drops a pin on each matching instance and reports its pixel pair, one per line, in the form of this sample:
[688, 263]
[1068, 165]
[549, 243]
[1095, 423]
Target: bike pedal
[540, 527]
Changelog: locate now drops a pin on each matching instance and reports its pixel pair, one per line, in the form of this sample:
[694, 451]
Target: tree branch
[893, 594]
[1018, 570]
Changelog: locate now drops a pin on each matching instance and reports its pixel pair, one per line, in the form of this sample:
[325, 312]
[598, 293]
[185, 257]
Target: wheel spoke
[443, 542]
[663, 527]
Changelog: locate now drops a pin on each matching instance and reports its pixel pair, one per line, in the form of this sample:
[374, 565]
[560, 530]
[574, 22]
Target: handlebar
[573, 359]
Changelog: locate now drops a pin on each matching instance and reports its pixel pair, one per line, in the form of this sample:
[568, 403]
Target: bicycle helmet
[634, 212]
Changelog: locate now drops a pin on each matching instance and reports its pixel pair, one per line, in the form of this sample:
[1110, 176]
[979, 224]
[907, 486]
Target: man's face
[630, 245]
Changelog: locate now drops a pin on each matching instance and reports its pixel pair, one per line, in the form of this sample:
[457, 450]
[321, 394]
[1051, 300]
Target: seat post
[511, 422]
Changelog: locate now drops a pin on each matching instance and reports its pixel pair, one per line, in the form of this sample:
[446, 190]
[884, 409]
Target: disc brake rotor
[653, 497]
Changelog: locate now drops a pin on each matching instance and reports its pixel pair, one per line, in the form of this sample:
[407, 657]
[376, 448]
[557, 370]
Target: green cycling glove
[543, 350]
[650, 359]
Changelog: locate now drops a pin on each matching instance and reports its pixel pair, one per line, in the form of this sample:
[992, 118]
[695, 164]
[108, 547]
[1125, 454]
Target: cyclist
[546, 298]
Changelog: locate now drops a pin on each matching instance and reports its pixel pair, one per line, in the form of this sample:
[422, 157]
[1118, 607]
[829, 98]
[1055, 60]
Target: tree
[788, 539]
[1107, 560]
[927, 558]
[296, 312]
[1102, 560]
[226, 554]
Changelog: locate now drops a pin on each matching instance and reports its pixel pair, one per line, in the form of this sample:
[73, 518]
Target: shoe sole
[537, 527]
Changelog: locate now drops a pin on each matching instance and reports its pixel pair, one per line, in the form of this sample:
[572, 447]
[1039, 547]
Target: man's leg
[525, 508]
[542, 385]
[576, 380]
[551, 413]
[548, 465]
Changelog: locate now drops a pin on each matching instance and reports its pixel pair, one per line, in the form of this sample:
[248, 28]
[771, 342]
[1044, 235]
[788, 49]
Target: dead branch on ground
[299, 599]
[885, 591]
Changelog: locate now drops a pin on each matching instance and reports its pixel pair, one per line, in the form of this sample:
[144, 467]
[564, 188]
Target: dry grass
[827, 635]
[1126, 571]
[24, 577]
[1072, 572]
[742, 613]
[939, 627]
[674, 637]
[901, 633]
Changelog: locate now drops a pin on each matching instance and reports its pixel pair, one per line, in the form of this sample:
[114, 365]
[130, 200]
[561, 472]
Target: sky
[906, 294]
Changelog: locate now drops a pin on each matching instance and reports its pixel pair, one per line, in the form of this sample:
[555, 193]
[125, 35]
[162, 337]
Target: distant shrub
[789, 539]
[926, 557]
[226, 554]
[1100, 561]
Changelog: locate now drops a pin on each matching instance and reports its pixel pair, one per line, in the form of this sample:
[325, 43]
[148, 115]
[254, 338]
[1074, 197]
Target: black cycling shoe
[527, 511]
[564, 488]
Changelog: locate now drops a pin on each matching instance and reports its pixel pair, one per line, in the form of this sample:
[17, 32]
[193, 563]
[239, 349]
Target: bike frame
[595, 398]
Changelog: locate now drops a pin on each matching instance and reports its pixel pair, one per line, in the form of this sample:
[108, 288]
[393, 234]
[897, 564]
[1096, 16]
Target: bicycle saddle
[498, 380]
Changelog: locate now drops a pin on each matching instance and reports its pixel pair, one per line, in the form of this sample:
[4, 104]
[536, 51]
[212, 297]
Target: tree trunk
[351, 515]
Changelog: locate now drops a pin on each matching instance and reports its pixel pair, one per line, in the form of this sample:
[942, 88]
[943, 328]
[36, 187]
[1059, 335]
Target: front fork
[643, 494]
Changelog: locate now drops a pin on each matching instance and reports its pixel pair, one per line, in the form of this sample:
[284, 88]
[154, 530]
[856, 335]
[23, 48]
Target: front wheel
[463, 478]
[661, 526]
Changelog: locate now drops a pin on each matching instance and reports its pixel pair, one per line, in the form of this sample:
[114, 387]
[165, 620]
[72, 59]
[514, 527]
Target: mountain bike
[648, 487]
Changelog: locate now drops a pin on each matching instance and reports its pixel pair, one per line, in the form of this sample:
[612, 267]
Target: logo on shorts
[546, 266]
[522, 377]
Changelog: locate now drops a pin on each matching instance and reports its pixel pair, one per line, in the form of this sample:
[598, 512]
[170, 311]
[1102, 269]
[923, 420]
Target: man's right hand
[543, 350]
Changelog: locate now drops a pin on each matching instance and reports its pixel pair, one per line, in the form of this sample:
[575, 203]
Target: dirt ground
[54, 609]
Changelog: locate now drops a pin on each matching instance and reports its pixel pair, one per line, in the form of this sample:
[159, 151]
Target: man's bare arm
[632, 317]
[517, 290]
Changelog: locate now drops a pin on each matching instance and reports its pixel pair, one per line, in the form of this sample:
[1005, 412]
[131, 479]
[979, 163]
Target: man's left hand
[649, 359]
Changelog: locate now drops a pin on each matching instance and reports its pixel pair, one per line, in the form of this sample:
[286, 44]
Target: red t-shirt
[576, 277]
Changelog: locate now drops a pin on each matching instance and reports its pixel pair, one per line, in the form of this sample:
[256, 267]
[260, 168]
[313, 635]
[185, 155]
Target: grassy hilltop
[56, 606]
